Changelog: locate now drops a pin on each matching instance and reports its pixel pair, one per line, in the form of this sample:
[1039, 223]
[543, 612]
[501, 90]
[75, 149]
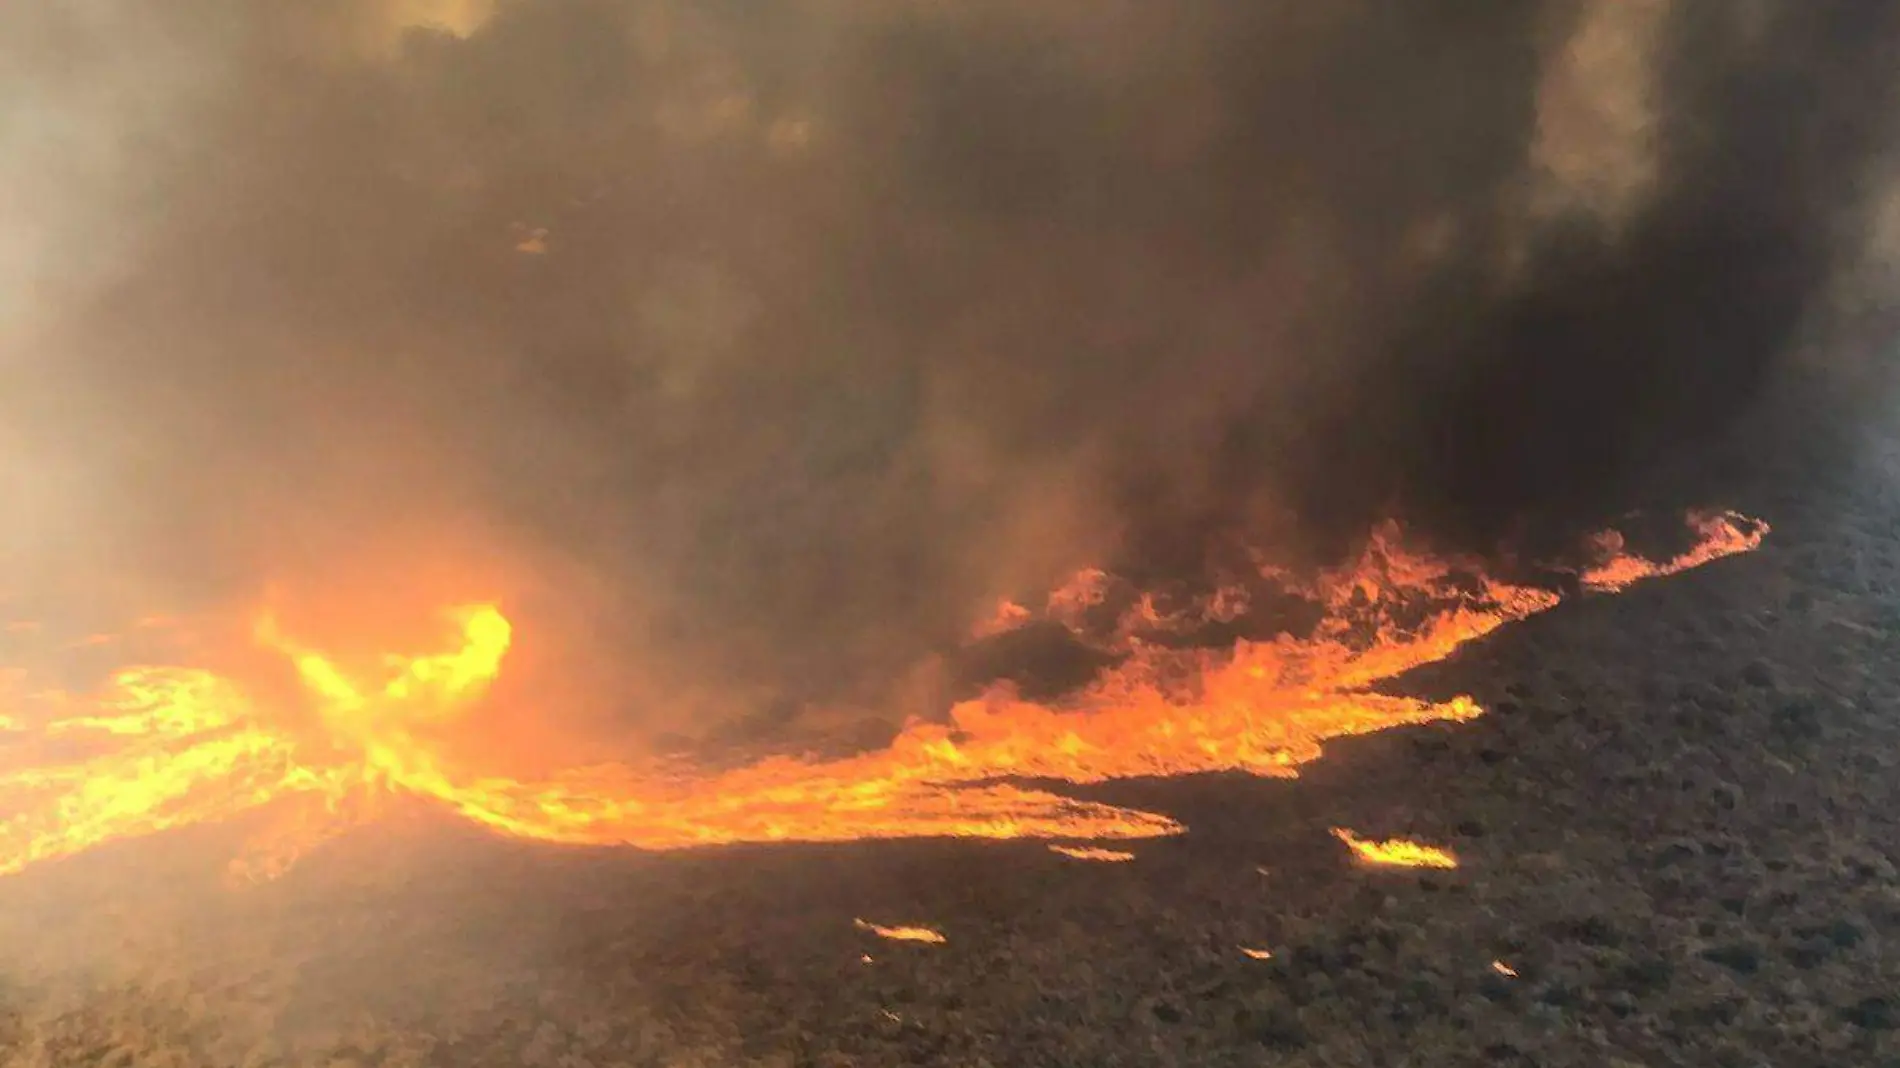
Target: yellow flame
[902, 934]
[195, 749]
[1396, 852]
[1094, 853]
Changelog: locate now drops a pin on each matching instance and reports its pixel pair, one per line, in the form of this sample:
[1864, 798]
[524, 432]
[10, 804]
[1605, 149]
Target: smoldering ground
[752, 350]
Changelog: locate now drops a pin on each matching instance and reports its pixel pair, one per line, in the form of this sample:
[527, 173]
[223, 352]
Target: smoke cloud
[750, 351]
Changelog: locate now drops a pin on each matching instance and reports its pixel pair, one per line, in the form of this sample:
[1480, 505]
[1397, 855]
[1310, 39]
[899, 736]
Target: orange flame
[1719, 534]
[164, 747]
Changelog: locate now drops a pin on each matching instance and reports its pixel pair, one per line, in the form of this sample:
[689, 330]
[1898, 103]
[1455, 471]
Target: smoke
[750, 351]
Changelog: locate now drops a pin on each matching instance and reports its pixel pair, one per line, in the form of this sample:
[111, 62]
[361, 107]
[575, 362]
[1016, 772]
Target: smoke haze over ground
[751, 351]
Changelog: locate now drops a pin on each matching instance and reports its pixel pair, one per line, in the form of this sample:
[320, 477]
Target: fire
[1094, 853]
[1719, 534]
[164, 747]
[925, 935]
[1396, 852]
[1256, 953]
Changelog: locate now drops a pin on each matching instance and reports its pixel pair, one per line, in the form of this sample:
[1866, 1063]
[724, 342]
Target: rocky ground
[1678, 831]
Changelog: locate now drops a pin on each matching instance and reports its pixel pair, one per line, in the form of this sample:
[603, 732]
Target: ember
[165, 747]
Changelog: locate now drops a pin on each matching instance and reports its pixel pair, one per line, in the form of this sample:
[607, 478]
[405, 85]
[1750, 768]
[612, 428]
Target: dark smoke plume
[753, 349]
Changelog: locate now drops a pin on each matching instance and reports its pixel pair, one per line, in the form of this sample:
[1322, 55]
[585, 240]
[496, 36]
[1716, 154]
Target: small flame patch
[1093, 853]
[925, 935]
[1396, 852]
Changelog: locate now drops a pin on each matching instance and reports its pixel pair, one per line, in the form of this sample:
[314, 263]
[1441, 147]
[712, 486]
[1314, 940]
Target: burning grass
[903, 933]
[165, 747]
[1396, 852]
[1096, 854]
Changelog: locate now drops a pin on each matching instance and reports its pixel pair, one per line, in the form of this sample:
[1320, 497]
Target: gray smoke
[752, 350]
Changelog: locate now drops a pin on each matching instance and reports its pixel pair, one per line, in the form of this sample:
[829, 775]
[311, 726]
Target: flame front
[165, 747]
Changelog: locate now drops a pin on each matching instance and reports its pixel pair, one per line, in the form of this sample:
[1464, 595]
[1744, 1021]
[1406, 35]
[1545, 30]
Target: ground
[1677, 828]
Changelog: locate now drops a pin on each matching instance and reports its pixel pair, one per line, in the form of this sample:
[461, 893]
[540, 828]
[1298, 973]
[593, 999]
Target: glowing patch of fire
[925, 935]
[1093, 853]
[1396, 852]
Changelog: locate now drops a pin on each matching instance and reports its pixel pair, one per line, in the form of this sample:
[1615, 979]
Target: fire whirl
[166, 747]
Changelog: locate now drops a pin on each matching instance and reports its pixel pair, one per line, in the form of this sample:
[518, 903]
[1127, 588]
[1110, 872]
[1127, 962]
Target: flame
[1093, 853]
[165, 747]
[1257, 954]
[1396, 852]
[903, 934]
[1719, 534]
[194, 748]
[1504, 969]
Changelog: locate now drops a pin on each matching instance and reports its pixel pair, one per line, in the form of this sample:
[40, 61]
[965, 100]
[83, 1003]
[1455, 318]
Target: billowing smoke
[752, 350]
